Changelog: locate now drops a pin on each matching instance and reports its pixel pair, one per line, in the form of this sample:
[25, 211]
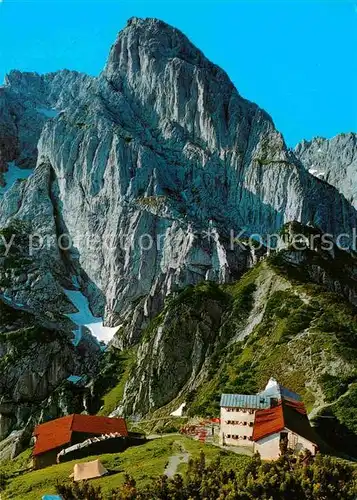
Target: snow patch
[316, 173]
[48, 112]
[179, 411]
[14, 174]
[84, 317]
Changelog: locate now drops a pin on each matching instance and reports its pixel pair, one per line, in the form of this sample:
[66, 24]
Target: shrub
[289, 477]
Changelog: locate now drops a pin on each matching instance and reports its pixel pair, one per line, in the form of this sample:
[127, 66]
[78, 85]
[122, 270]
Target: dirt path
[159, 436]
[175, 461]
[316, 410]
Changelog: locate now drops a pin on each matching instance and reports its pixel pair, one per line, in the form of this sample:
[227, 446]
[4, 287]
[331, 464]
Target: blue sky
[296, 59]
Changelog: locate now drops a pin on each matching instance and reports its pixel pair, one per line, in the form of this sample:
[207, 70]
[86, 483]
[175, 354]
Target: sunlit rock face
[334, 160]
[151, 167]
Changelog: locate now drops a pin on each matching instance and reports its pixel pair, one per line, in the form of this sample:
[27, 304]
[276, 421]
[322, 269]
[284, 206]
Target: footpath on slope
[175, 461]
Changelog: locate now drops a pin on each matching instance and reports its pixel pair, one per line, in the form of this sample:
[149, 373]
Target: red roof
[56, 433]
[268, 422]
[98, 425]
[287, 414]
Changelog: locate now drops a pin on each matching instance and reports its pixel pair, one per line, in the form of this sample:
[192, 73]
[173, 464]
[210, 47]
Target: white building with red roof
[266, 421]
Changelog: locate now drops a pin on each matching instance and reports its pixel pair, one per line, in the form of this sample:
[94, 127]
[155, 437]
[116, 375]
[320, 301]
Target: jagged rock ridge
[27, 100]
[334, 160]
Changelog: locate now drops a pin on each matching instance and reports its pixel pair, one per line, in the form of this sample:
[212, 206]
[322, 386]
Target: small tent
[88, 470]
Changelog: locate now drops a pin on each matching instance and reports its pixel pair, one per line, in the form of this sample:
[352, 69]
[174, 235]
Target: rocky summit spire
[157, 66]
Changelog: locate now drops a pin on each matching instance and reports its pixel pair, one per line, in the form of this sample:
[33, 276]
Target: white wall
[242, 429]
[298, 443]
[269, 447]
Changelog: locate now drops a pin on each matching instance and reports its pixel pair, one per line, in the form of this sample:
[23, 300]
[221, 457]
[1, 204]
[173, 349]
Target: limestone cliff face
[334, 160]
[161, 148]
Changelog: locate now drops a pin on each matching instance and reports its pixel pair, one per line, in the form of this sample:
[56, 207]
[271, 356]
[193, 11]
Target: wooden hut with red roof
[55, 435]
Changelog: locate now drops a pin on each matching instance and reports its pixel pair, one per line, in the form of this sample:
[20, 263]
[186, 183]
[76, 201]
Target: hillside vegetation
[294, 478]
[143, 463]
[273, 322]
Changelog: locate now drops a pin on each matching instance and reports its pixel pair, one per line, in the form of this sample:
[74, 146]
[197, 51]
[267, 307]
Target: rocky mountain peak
[157, 38]
[156, 66]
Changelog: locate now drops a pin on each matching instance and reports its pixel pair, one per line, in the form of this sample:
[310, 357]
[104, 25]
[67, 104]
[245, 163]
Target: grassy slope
[113, 395]
[20, 463]
[142, 462]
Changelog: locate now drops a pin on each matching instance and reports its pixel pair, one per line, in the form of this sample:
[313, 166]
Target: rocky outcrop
[32, 280]
[175, 349]
[334, 160]
[36, 357]
[27, 101]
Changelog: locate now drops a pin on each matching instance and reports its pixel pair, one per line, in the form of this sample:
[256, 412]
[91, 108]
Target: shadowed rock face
[335, 160]
[36, 356]
[160, 144]
[27, 100]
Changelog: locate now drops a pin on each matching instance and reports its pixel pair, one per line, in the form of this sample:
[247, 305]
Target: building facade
[266, 422]
[269, 447]
[237, 418]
